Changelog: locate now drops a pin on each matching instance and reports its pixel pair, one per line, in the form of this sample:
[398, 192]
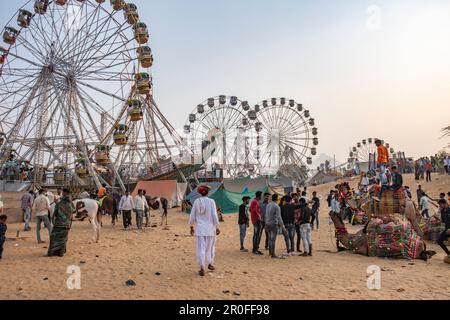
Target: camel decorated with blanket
[386, 236]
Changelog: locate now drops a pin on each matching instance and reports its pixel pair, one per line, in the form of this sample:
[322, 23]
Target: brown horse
[107, 208]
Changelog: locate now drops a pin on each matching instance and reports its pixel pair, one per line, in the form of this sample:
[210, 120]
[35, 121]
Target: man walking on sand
[126, 206]
[140, 204]
[27, 205]
[41, 208]
[257, 221]
[204, 217]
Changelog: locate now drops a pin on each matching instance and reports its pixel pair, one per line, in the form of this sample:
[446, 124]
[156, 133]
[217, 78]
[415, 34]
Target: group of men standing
[291, 217]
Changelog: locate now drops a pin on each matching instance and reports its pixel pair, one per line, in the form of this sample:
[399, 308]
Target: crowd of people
[293, 216]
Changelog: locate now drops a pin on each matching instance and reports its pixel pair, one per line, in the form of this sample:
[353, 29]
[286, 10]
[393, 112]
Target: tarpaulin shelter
[229, 202]
[171, 190]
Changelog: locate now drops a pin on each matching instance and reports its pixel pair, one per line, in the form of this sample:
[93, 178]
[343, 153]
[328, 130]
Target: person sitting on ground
[3, 229]
[445, 235]
[243, 221]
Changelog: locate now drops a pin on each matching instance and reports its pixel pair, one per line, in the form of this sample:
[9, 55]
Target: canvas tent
[171, 190]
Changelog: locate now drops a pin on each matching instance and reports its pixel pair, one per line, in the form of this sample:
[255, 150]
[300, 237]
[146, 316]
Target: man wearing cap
[204, 217]
[62, 222]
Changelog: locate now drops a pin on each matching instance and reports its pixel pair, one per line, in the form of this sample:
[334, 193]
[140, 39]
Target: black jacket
[305, 214]
[243, 218]
[446, 218]
[288, 213]
[397, 181]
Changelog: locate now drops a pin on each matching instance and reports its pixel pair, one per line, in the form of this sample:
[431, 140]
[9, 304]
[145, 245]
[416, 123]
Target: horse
[162, 204]
[108, 206]
[88, 208]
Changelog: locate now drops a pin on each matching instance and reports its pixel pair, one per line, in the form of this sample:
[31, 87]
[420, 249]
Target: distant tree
[446, 132]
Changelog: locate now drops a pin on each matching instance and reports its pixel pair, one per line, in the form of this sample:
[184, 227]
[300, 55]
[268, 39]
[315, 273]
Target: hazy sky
[360, 76]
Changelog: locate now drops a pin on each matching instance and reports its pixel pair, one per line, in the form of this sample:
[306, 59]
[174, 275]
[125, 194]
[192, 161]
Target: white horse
[162, 205]
[88, 208]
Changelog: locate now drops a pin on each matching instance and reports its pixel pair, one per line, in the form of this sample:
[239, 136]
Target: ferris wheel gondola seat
[3, 55]
[145, 56]
[211, 102]
[299, 107]
[245, 105]
[141, 33]
[274, 101]
[40, 6]
[292, 103]
[234, 101]
[306, 114]
[10, 35]
[136, 114]
[283, 101]
[200, 108]
[24, 18]
[131, 13]
[312, 122]
[102, 158]
[143, 83]
[222, 99]
[120, 139]
[118, 4]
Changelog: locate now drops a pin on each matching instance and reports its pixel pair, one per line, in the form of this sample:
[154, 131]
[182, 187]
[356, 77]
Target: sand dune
[123, 255]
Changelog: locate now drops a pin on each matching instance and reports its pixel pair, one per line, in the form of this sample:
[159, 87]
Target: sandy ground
[122, 255]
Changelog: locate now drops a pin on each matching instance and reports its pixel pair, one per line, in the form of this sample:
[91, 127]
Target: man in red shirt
[428, 169]
[255, 215]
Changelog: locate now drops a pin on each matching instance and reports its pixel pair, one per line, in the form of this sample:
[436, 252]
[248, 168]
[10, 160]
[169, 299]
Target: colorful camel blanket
[393, 239]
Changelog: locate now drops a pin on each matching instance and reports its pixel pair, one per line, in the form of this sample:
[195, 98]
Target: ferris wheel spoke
[86, 54]
[65, 43]
[101, 91]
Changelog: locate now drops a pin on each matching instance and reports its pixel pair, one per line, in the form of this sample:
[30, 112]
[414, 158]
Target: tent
[171, 190]
[243, 185]
[229, 202]
[194, 195]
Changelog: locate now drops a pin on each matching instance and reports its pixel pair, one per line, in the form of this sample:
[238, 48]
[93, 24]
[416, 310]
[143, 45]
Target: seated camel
[370, 240]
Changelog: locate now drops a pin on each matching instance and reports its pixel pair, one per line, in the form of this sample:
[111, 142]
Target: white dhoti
[206, 251]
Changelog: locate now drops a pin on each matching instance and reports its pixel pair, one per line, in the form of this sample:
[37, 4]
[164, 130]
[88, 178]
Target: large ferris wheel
[222, 120]
[286, 137]
[76, 92]
[277, 136]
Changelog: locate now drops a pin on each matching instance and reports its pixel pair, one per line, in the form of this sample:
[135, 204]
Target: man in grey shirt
[273, 222]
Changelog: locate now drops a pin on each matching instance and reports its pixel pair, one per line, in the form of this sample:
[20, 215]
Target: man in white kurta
[204, 216]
